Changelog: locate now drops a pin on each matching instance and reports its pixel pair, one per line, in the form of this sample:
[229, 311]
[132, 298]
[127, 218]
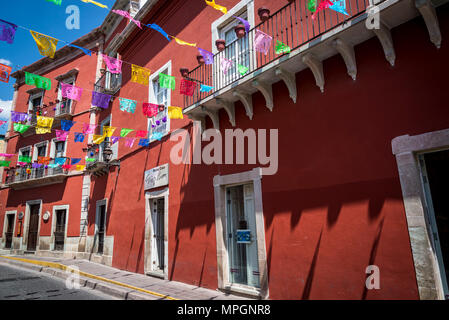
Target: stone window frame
[407, 149]
[220, 182]
[11, 212]
[149, 195]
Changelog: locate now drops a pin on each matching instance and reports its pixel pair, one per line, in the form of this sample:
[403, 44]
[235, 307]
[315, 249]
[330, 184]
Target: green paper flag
[166, 81]
[242, 69]
[38, 81]
[282, 48]
[26, 159]
[311, 5]
[91, 159]
[21, 128]
[125, 132]
[4, 163]
[58, 2]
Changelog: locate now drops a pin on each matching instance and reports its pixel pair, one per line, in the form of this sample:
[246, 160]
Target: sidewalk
[118, 283]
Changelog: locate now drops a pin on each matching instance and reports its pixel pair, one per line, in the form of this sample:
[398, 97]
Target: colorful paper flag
[80, 167]
[44, 125]
[114, 140]
[208, 56]
[44, 160]
[281, 48]
[36, 165]
[5, 71]
[166, 81]
[140, 75]
[212, 3]
[86, 51]
[100, 100]
[26, 159]
[79, 137]
[38, 81]
[144, 142]
[114, 65]
[324, 4]
[262, 41]
[91, 159]
[2, 122]
[157, 136]
[158, 29]
[66, 125]
[75, 161]
[19, 116]
[95, 3]
[21, 128]
[129, 142]
[175, 113]
[98, 139]
[205, 88]
[141, 133]
[184, 43]
[108, 131]
[226, 64]
[311, 5]
[89, 128]
[61, 135]
[245, 22]
[4, 163]
[7, 31]
[128, 105]
[125, 132]
[242, 69]
[6, 155]
[339, 6]
[57, 2]
[150, 109]
[45, 44]
[187, 87]
[71, 92]
[128, 16]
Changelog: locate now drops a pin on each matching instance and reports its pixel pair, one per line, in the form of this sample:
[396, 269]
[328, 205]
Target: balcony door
[65, 105]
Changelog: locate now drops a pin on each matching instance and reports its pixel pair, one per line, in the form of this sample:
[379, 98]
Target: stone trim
[220, 183]
[406, 148]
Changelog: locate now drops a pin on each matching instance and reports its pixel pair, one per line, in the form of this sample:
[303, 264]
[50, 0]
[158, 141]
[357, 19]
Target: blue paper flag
[159, 29]
[86, 51]
[7, 31]
[79, 137]
[339, 6]
[60, 161]
[205, 88]
[75, 161]
[144, 142]
[66, 125]
[157, 136]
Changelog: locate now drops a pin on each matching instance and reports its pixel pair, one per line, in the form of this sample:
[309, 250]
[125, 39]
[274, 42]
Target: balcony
[102, 162]
[311, 42]
[109, 83]
[18, 178]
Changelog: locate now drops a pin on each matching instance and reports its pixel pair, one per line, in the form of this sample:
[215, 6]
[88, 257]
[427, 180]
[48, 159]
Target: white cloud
[6, 106]
[4, 61]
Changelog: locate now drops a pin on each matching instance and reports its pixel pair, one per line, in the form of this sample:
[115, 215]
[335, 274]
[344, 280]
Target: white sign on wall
[156, 177]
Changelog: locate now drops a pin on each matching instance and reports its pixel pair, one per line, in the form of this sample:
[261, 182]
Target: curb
[55, 269]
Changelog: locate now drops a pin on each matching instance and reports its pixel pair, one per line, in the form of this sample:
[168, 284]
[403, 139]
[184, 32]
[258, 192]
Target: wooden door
[9, 230]
[33, 227]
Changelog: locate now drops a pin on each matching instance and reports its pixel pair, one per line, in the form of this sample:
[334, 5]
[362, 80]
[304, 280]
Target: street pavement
[20, 284]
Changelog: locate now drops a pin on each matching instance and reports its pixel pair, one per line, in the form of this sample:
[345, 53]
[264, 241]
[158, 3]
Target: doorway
[9, 230]
[242, 236]
[435, 177]
[33, 227]
[101, 227]
[60, 227]
[158, 241]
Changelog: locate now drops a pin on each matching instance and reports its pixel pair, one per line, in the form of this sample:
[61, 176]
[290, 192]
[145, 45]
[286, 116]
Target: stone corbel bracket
[427, 10]
[230, 109]
[316, 66]
[247, 101]
[213, 115]
[267, 91]
[384, 36]
[347, 53]
[290, 81]
[201, 119]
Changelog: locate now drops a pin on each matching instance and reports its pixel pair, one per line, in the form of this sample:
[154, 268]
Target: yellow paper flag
[175, 113]
[108, 131]
[140, 75]
[98, 139]
[44, 125]
[80, 167]
[45, 44]
[95, 3]
[216, 6]
[183, 43]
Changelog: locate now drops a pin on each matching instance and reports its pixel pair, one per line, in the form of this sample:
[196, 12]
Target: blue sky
[47, 18]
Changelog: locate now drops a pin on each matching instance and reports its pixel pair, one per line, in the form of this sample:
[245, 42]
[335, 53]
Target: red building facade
[356, 120]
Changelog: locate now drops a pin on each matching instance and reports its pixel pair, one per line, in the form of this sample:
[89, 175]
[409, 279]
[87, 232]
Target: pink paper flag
[6, 155]
[324, 4]
[129, 142]
[141, 133]
[62, 135]
[89, 128]
[127, 15]
[226, 64]
[114, 65]
[150, 109]
[262, 41]
[71, 92]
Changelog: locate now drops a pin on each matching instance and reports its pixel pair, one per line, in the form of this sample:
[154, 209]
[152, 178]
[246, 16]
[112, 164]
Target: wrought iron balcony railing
[109, 83]
[292, 25]
[36, 176]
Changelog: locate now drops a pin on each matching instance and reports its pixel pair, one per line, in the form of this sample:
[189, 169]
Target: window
[162, 96]
[65, 105]
[58, 150]
[40, 150]
[34, 104]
